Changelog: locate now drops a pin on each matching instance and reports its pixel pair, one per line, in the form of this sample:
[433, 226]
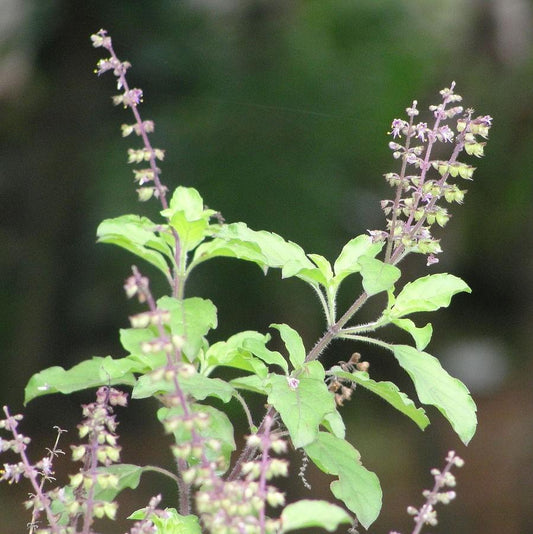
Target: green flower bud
[440, 166]
[78, 453]
[88, 483]
[275, 498]
[453, 169]
[141, 320]
[475, 149]
[127, 129]
[189, 475]
[186, 370]
[466, 171]
[442, 218]
[76, 480]
[110, 510]
[73, 508]
[277, 468]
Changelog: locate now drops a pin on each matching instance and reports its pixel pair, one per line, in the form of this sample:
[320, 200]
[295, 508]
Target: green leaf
[219, 428]
[188, 201]
[436, 387]
[239, 351]
[312, 276]
[377, 275]
[187, 215]
[250, 383]
[128, 476]
[421, 335]
[348, 260]
[276, 251]
[191, 319]
[312, 513]
[293, 343]
[96, 372]
[427, 294]
[132, 339]
[357, 487]
[197, 385]
[139, 236]
[226, 354]
[230, 248]
[323, 265]
[191, 233]
[334, 423]
[303, 407]
[270, 357]
[171, 522]
[387, 391]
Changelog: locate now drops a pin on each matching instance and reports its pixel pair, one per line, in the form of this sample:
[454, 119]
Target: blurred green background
[277, 111]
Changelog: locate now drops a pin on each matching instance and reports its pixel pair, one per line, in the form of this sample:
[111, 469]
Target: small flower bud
[189, 475]
[475, 149]
[145, 193]
[76, 480]
[293, 382]
[253, 441]
[275, 498]
[78, 453]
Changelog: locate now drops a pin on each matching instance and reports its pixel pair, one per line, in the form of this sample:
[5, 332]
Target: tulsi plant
[172, 354]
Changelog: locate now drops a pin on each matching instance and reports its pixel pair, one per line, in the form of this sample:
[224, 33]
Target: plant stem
[313, 354]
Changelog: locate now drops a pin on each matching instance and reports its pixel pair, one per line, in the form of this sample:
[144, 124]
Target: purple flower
[397, 126]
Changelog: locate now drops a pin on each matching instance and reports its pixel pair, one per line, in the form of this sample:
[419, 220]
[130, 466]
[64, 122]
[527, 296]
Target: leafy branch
[171, 356]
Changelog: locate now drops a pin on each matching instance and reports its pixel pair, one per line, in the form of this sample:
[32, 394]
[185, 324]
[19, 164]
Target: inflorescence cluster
[74, 507]
[236, 506]
[427, 514]
[235, 503]
[423, 182]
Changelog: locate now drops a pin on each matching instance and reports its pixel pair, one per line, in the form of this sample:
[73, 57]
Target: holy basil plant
[173, 353]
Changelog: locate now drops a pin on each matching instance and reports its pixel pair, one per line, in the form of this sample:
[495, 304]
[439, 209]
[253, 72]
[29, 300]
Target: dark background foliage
[277, 112]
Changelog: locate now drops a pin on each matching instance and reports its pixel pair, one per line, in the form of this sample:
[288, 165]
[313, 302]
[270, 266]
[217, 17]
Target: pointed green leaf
[377, 275]
[128, 476]
[334, 423]
[197, 385]
[275, 249]
[191, 233]
[187, 215]
[191, 319]
[171, 522]
[239, 351]
[250, 383]
[302, 403]
[387, 391]
[132, 340]
[270, 357]
[427, 294]
[230, 248]
[421, 335]
[223, 354]
[436, 387]
[188, 201]
[293, 343]
[357, 487]
[308, 513]
[312, 276]
[323, 264]
[347, 262]
[91, 373]
[219, 428]
[137, 235]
